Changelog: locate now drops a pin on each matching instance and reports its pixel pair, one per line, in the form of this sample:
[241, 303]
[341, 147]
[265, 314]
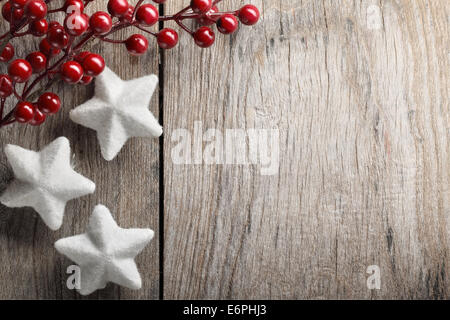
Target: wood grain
[361, 102]
[30, 267]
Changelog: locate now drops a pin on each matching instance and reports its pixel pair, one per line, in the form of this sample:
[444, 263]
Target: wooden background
[361, 102]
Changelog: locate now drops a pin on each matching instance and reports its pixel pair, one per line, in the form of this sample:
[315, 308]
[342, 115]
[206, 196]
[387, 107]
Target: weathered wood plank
[359, 93]
[29, 265]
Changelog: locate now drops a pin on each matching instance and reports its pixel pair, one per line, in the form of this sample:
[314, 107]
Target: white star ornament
[106, 252]
[119, 111]
[44, 181]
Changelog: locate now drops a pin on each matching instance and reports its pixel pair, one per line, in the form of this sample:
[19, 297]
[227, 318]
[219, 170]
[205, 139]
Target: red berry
[49, 103]
[6, 11]
[73, 6]
[80, 57]
[128, 16]
[201, 6]
[35, 9]
[17, 14]
[206, 19]
[71, 72]
[20, 70]
[93, 65]
[24, 112]
[37, 60]
[19, 3]
[7, 53]
[100, 22]
[38, 118]
[47, 49]
[6, 87]
[76, 24]
[38, 28]
[147, 14]
[227, 24]
[249, 14]
[58, 37]
[53, 24]
[204, 37]
[167, 38]
[86, 80]
[117, 8]
[136, 44]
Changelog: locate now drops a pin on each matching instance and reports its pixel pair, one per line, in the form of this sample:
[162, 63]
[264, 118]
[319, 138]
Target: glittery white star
[44, 181]
[119, 111]
[106, 252]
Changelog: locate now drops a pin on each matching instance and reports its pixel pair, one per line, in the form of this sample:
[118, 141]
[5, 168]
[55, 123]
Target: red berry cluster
[64, 41]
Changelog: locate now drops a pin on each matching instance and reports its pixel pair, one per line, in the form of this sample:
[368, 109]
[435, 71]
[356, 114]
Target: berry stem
[18, 96]
[2, 107]
[56, 10]
[5, 36]
[83, 41]
[135, 9]
[37, 93]
[110, 40]
[145, 30]
[182, 26]
[20, 34]
[5, 121]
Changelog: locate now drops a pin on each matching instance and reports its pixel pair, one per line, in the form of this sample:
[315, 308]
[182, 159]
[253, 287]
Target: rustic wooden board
[30, 267]
[361, 102]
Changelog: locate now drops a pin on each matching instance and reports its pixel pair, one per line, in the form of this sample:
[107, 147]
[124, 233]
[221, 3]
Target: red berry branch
[62, 56]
